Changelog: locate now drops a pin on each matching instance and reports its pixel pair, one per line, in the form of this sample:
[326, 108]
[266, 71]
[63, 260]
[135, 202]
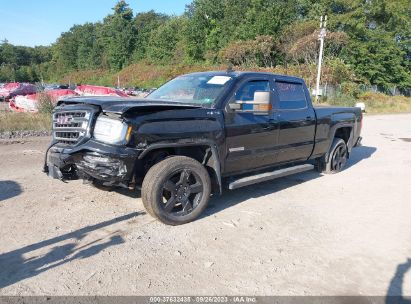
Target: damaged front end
[102, 167]
[75, 154]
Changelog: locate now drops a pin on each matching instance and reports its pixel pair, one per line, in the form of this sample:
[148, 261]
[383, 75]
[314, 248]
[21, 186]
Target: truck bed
[327, 120]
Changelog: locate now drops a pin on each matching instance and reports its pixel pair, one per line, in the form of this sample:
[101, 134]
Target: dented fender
[212, 160]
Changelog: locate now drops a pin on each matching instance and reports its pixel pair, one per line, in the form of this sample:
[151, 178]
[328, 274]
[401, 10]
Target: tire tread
[322, 165]
[155, 174]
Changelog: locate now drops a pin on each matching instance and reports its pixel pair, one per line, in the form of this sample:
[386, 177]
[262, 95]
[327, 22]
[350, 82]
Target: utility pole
[321, 36]
[118, 81]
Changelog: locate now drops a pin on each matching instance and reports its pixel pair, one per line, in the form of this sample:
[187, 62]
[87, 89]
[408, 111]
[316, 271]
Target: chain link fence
[332, 91]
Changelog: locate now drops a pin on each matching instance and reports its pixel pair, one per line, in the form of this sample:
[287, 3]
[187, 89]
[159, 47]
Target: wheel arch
[205, 152]
[343, 131]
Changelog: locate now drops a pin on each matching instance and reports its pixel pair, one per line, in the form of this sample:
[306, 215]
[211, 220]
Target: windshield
[202, 89]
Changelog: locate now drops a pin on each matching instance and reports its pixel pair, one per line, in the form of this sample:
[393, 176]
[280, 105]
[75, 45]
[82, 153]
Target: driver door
[251, 138]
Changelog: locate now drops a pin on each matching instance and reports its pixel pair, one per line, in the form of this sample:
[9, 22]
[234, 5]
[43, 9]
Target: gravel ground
[308, 234]
[23, 134]
[4, 106]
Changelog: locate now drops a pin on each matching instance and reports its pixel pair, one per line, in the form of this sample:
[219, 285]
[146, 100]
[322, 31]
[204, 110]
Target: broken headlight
[111, 131]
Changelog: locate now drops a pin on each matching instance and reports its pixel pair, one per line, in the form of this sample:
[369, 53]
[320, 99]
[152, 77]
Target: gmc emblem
[63, 120]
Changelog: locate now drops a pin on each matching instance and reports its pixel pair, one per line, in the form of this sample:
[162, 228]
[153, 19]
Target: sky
[40, 22]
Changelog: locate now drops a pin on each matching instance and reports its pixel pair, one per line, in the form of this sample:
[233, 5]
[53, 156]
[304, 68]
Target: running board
[254, 179]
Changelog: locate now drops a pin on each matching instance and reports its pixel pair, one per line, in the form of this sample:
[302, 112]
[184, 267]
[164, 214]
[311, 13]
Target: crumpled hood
[122, 105]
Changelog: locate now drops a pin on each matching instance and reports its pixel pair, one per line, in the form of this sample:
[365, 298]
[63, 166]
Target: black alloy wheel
[182, 192]
[339, 158]
[176, 190]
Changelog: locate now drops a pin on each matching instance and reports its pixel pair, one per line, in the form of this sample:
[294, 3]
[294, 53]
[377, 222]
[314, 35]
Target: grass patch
[381, 103]
[375, 103]
[10, 121]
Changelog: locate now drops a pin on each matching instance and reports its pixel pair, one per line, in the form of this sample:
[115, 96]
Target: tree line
[368, 41]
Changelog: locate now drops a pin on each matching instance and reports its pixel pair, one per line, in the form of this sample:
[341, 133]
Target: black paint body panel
[243, 142]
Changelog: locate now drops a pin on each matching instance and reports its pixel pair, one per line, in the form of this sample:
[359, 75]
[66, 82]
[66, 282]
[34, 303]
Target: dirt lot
[346, 234]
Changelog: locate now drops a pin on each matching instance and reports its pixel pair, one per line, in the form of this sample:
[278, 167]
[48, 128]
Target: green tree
[367, 40]
[203, 17]
[145, 24]
[118, 36]
[89, 51]
[164, 40]
[65, 50]
[8, 53]
[379, 40]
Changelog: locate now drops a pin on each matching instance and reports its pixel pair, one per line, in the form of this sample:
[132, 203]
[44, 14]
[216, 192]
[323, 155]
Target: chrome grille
[69, 127]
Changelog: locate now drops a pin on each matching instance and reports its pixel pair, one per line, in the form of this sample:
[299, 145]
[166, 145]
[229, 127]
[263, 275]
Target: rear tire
[176, 190]
[337, 159]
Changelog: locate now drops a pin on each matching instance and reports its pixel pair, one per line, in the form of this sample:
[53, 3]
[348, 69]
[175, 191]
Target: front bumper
[92, 160]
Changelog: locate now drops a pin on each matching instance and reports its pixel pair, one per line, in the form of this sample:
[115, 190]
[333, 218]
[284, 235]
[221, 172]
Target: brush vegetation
[375, 103]
[11, 121]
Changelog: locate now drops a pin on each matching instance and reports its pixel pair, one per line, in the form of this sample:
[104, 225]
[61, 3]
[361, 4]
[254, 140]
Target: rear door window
[291, 95]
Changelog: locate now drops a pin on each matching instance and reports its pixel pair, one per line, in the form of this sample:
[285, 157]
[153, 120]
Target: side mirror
[261, 97]
[259, 105]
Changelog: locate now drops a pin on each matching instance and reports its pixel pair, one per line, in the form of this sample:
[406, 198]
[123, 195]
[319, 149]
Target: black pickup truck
[197, 134]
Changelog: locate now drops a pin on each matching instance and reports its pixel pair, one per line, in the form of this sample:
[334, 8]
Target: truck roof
[237, 74]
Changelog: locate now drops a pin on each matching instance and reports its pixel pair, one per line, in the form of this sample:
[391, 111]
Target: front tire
[176, 190]
[337, 159]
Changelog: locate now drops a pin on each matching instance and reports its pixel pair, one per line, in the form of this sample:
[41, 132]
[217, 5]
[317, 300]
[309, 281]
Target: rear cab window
[291, 96]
